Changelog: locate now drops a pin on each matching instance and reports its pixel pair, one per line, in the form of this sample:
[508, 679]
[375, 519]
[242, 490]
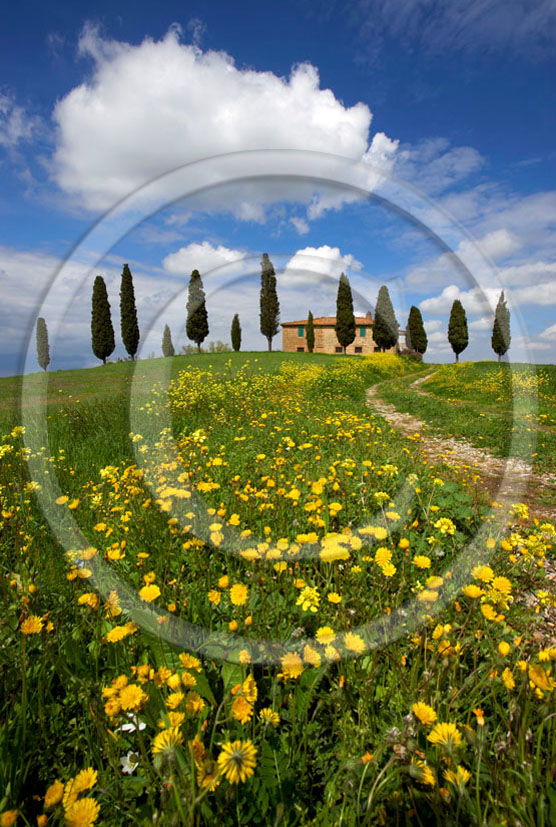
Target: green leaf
[232, 674]
[203, 688]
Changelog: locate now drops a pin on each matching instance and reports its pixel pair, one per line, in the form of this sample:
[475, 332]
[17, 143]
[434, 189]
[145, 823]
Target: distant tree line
[385, 329]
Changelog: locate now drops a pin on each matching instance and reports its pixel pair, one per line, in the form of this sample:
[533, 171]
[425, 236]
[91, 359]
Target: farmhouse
[294, 338]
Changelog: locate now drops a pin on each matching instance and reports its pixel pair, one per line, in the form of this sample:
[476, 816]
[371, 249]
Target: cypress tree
[310, 333]
[43, 350]
[167, 346]
[415, 335]
[197, 320]
[345, 320]
[501, 337]
[385, 324]
[458, 335]
[101, 322]
[128, 313]
[269, 304]
[236, 333]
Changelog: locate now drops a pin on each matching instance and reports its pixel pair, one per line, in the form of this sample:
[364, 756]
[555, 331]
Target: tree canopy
[269, 304]
[458, 335]
[197, 327]
[415, 335]
[167, 344]
[102, 332]
[310, 333]
[128, 313]
[385, 325]
[236, 333]
[501, 337]
[345, 320]
[43, 350]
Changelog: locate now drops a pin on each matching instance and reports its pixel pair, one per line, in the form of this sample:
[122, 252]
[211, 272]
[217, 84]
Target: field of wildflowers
[275, 611]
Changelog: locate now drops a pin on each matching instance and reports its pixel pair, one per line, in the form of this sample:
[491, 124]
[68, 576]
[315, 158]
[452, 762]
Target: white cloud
[525, 27]
[433, 165]
[549, 333]
[198, 30]
[536, 294]
[474, 255]
[433, 325]
[474, 300]
[524, 345]
[379, 158]
[300, 225]
[497, 245]
[535, 272]
[155, 106]
[437, 337]
[484, 323]
[15, 124]
[203, 257]
[312, 263]
[490, 207]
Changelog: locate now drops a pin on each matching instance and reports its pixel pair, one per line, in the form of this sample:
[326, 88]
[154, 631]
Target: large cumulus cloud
[148, 108]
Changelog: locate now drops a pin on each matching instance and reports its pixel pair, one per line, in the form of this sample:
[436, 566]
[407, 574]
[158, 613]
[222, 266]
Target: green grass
[284, 450]
[115, 379]
[500, 408]
[500, 388]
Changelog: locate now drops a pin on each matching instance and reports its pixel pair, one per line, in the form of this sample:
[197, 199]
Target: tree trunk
[198, 347]
[499, 356]
[104, 360]
[457, 357]
[269, 340]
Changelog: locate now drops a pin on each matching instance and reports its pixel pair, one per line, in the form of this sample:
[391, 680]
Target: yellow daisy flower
[445, 735]
[268, 716]
[424, 713]
[82, 813]
[31, 625]
[354, 643]
[237, 761]
[238, 594]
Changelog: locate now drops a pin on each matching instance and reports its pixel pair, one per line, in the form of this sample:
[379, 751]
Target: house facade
[294, 336]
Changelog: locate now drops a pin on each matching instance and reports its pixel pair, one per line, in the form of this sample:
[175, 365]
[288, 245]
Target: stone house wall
[326, 341]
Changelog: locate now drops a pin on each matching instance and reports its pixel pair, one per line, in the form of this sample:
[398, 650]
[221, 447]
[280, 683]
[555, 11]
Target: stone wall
[326, 341]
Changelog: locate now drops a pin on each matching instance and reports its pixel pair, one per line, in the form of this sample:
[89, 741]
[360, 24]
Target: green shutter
[362, 332]
[300, 330]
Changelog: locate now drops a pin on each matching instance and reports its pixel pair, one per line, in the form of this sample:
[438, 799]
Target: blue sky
[442, 112]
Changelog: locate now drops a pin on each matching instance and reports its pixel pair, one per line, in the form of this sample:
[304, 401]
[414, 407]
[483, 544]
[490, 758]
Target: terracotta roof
[329, 320]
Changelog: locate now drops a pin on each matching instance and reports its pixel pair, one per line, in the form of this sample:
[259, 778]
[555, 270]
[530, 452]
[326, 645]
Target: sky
[404, 142]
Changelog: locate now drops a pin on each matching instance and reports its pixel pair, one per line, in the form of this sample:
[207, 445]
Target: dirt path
[508, 480]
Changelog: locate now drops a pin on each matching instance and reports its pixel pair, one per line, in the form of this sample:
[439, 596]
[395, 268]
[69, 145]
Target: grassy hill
[488, 404]
[245, 599]
[114, 379]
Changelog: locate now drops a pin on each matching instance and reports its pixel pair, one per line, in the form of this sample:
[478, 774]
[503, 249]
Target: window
[300, 349]
[359, 350]
[339, 350]
[362, 332]
[300, 330]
